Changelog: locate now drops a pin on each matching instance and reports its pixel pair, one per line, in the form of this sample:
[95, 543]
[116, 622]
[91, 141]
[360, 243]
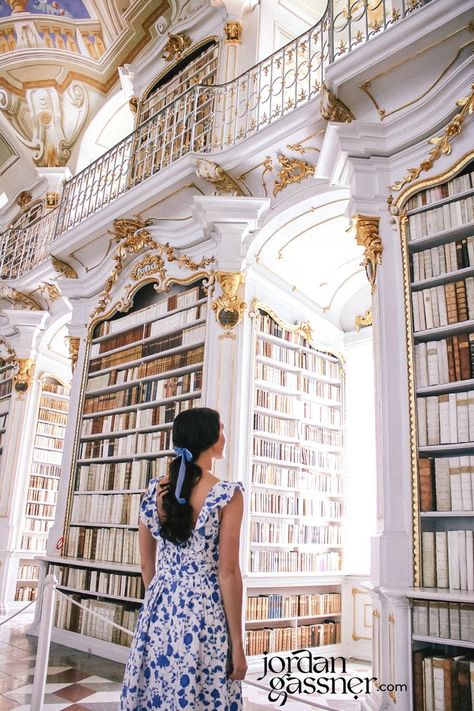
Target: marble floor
[78, 681]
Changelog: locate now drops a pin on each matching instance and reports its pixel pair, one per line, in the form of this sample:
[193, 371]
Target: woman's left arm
[147, 554]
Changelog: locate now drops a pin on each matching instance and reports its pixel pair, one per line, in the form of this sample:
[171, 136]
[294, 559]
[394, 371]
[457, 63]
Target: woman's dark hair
[196, 430]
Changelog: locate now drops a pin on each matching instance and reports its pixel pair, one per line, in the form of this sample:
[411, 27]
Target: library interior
[265, 207]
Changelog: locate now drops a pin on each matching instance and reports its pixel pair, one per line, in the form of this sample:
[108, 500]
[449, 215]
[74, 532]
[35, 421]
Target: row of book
[440, 219]
[48, 442]
[151, 391]
[40, 509]
[264, 501]
[28, 571]
[49, 429]
[280, 605]
[448, 559]
[446, 483]
[54, 403]
[45, 415]
[445, 419]
[108, 447]
[445, 361]
[442, 682]
[321, 390]
[266, 324]
[154, 441]
[47, 456]
[273, 475]
[43, 469]
[70, 617]
[57, 388]
[32, 542]
[276, 425]
[116, 545]
[26, 593]
[444, 259]
[285, 639]
[112, 508]
[154, 311]
[459, 184]
[443, 305]
[37, 525]
[183, 339]
[107, 476]
[286, 452]
[99, 581]
[105, 424]
[294, 534]
[262, 561]
[448, 620]
[287, 405]
[47, 485]
[317, 364]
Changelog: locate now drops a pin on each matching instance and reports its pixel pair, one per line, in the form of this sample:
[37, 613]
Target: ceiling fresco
[60, 8]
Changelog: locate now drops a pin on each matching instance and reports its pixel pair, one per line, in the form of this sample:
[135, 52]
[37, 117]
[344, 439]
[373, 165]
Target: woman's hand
[239, 664]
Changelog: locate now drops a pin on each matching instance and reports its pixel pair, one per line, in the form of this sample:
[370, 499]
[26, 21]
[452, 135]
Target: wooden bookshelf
[296, 491]
[43, 481]
[142, 368]
[439, 234]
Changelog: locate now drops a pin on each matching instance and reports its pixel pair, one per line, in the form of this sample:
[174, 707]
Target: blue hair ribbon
[186, 456]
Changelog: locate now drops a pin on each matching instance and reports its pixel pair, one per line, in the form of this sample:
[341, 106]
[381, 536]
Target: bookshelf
[296, 492]
[43, 482]
[6, 382]
[142, 368]
[438, 246]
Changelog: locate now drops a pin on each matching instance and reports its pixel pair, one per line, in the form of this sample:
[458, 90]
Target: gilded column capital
[23, 378]
[73, 343]
[229, 307]
[367, 236]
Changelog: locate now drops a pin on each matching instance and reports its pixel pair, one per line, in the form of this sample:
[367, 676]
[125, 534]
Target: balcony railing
[207, 119]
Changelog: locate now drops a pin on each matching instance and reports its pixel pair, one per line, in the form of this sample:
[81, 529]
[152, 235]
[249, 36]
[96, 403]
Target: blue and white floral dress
[179, 650]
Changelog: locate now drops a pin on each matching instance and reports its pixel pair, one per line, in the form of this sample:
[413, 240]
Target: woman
[187, 651]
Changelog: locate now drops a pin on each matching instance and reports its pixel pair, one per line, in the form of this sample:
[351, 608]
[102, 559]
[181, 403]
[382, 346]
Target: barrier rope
[18, 612]
[94, 614]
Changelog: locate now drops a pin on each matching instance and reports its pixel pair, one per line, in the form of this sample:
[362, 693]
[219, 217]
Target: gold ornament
[175, 46]
[293, 170]
[363, 321]
[233, 32]
[151, 264]
[332, 109]
[63, 268]
[20, 299]
[217, 176]
[229, 307]
[133, 104]
[73, 343]
[442, 144]
[51, 200]
[50, 291]
[185, 261]
[24, 375]
[23, 199]
[367, 236]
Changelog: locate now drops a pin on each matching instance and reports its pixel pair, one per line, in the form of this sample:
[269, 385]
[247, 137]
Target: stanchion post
[44, 640]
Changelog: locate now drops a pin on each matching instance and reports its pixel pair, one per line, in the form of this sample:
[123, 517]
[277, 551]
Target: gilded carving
[442, 143]
[63, 268]
[133, 104]
[363, 321]
[20, 299]
[51, 200]
[49, 291]
[332, 109]
[73, 343]
[233, 32]
[151, 264]
[184, 261]
[367, 236]
[24, 198]
[217, 176]
[229, 307]
[23, 378]
[175, 46]
[293, 170]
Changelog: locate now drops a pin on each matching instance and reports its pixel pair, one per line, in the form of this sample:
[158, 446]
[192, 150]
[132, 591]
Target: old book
[432, 362]
[428, 559]
[455, 484]
[462, 415]
[433, 612]
[466, 614]
[428, 308]
[443, 611]
[470, 562]
[451, 304]
[457, 358]
[418, 680]
[422, 423]
[453, 560]
[432, 416]
[443, 367]
[454, 620]
[429, 684]
[434, 307]
[463, 699]
[462, 560]
[470, 407]
[444, 428]
[461, 299]
[420, 617]
[470, 296]
[464, 357]
[451, 365]
[438, 684]
[426, 473]
[442, 484]
[421, 364]
[453, 415]
[441, 557]
[466, 486]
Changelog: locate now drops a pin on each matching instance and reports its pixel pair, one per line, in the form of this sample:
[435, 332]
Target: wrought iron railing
[207, 119]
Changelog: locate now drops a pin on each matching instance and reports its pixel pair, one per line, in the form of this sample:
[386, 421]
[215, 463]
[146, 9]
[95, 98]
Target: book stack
[443, 682]
[143, 368]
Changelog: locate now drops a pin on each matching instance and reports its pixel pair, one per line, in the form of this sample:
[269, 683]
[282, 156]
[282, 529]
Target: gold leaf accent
[233, 32]
[367, 236]
[217, 176]
[63, 268]
[293, 170]
[51, 200]
[133, 104]
[184, 261]
[442, 143]
[175, 46]
[73, 343]
[19, 298]
[363, 321]
[23, 378]
[23, 199]
[332, 109]
[151, 264]
[49, 291]
[229, 307]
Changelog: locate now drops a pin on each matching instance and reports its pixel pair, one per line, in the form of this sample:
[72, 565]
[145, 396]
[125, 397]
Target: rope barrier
[18, 612]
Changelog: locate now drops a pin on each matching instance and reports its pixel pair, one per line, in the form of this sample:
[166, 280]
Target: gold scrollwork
[49, 291]
[233, 32]
[363, 321]
[133, 104]
[332, 109]
[19, 298]
[63, 268]
[175, 46]
[217, 176]
[293, 170]
[24, 198]
[367, 236]
[73, 343]
[23, 378]
[185, 261]
[229, 307]
[442, 143]
[51, 200]
[151, 264]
